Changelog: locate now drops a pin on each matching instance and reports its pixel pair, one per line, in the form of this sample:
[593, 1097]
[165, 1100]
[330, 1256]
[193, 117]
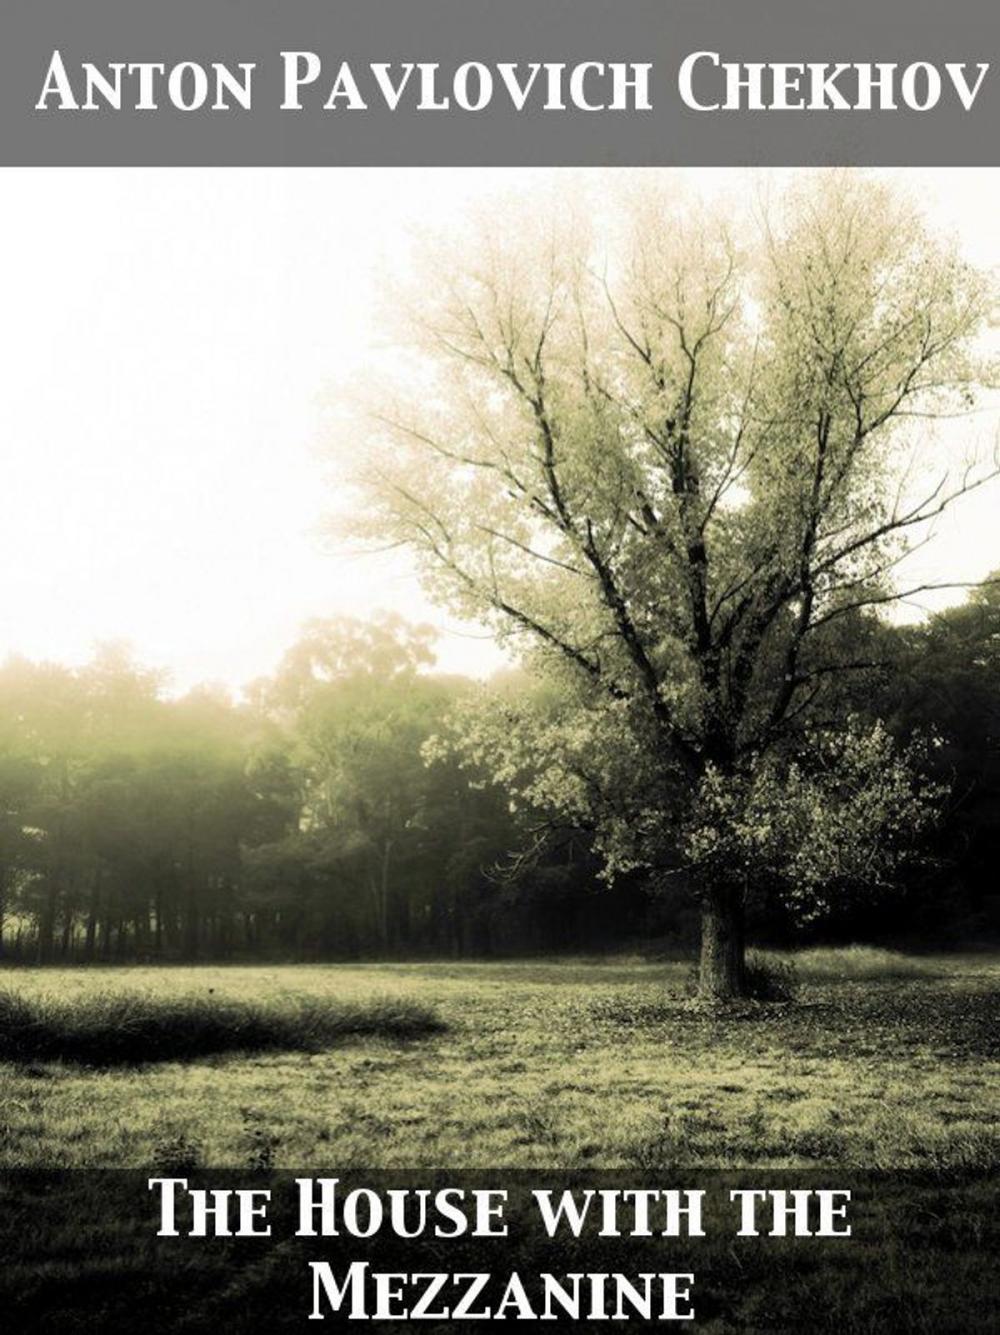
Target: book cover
[499, 678]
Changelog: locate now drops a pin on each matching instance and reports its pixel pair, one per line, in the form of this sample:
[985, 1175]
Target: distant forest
[324, 815]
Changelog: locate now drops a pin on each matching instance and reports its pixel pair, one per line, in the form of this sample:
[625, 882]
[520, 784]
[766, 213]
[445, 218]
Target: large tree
[681, 478]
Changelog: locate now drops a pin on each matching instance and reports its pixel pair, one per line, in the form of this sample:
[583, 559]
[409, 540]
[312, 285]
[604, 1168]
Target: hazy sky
[165, 336]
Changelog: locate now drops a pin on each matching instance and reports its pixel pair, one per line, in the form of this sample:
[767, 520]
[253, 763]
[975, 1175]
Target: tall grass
[130, 1028]
[858, 964]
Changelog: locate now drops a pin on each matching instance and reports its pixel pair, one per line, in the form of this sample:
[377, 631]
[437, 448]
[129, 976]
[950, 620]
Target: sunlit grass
[556, 1063]
[862, 964]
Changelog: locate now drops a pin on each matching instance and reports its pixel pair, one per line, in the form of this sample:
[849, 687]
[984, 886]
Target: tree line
[305, 820]
[326, 814]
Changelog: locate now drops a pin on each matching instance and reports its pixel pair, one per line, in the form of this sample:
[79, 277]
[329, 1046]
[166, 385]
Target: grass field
[884, 1061]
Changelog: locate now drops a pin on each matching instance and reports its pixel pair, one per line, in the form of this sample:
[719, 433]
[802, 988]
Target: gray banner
[448, 33]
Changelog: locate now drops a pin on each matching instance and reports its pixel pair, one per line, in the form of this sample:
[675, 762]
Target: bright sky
[165, 337]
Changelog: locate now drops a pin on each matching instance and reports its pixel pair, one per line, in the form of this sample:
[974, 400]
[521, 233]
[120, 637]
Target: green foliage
[305, 821]
[672, 477]
[364, 805]
[124, 1029]
[947, 683]
[839, 818]
[387, 849]
[128, 812]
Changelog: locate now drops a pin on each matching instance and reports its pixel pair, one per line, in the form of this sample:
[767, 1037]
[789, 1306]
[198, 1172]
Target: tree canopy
[681, 480]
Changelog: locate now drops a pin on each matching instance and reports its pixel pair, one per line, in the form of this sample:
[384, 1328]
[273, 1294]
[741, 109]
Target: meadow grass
[123, 1028]
[882, 1062]
[858, 963]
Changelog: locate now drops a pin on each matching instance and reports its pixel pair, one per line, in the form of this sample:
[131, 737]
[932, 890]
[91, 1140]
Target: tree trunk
[721, 974]
[47, 924]
[92, 915]
[158, 921]
[386, 855]
[67, 935]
